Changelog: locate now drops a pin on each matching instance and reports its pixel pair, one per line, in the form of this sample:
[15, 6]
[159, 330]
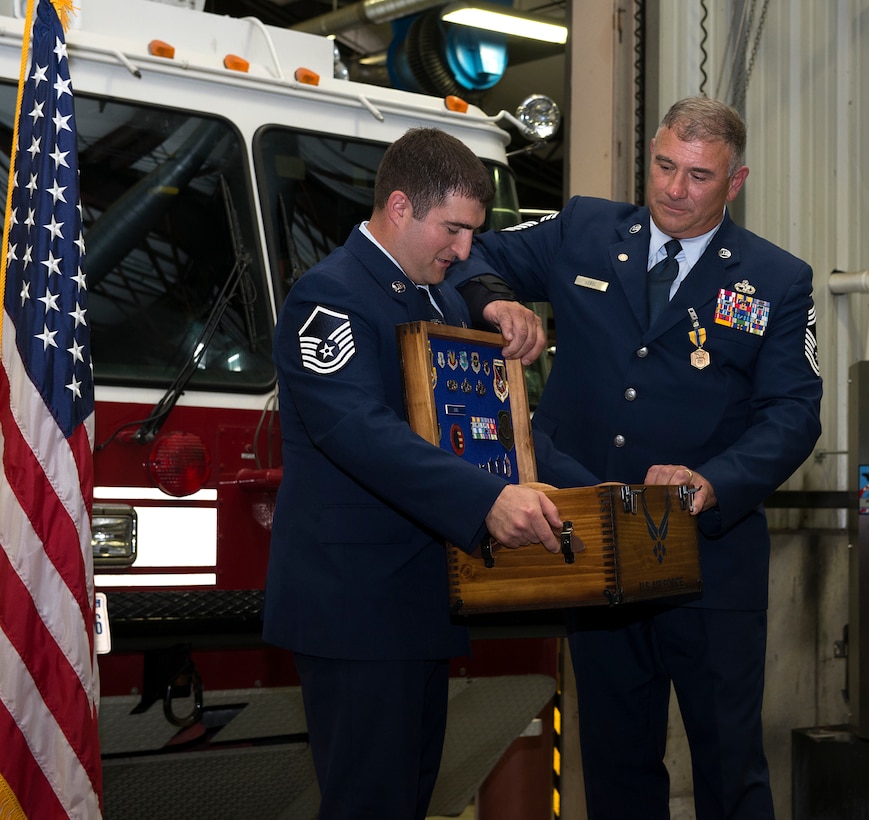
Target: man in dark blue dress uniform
[357, 581]
[717, 386]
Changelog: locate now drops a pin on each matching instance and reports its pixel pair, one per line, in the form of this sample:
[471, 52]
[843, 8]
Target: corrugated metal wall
[806, 103]
[803, 79]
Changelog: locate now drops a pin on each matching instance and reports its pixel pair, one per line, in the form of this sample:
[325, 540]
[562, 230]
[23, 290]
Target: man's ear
[736, 182]
[398, 207]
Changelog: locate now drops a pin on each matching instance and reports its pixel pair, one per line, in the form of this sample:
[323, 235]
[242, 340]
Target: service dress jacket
[357, 565]
[622, 396]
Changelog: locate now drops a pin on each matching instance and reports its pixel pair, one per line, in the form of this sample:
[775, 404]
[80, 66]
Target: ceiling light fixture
[492, 17]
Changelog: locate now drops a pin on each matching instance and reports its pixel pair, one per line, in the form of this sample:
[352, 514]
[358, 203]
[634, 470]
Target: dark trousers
[376, 730]
[624, 665]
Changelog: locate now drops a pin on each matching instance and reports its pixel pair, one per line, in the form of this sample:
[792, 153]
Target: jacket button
[630, 394]
[643, 352]
[619, 440]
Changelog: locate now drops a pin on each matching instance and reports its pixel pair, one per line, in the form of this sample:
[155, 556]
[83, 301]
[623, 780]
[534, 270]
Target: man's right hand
[520, 326]
[522, 515]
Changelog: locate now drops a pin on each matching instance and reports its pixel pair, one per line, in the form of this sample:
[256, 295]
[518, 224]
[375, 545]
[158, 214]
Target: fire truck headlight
[179, 464]
[113, 535]
[540, 115]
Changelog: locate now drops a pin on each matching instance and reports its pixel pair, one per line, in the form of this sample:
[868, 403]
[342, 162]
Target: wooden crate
[624, 543]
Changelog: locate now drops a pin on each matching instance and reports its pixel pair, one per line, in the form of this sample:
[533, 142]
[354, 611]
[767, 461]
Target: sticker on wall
[863, 492]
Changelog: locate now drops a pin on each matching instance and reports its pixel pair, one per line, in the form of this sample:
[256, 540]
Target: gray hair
[699, 118]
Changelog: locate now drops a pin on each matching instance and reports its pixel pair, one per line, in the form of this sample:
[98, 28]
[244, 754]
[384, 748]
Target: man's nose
[462, 245]
[678, 186]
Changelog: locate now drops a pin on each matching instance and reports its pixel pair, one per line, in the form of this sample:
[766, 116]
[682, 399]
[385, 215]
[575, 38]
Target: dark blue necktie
[431, 297]
[661, 277]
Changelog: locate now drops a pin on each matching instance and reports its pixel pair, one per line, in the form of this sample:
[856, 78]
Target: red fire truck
[219, 159]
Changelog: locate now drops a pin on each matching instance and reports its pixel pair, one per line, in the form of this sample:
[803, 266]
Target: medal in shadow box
[619, 543]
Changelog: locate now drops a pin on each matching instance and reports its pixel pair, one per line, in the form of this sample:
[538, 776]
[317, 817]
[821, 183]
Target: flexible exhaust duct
[366, 12]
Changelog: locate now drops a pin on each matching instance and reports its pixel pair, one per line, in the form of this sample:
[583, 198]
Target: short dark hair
[429, 165]
[699, 118]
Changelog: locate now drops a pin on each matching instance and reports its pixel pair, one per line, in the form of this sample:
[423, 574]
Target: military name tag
[699, 358]
[588, 282]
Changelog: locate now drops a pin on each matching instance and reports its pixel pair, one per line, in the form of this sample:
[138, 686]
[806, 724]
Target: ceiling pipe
[368, 12]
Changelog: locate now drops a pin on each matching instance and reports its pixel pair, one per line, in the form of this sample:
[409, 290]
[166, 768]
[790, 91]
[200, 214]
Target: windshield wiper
[289, 242]
[239, 279]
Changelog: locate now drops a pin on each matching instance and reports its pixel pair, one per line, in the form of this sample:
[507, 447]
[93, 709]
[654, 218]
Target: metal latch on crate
[630, 497]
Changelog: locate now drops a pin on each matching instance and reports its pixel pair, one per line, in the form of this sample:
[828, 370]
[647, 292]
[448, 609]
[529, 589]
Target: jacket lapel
[628, 258]
[452, 306]
[387, 276]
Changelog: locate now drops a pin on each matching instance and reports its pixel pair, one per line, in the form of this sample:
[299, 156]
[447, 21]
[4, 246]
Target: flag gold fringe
[64, 9]
[10, 808]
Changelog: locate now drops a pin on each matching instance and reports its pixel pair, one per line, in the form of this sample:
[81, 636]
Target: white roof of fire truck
[109, 46]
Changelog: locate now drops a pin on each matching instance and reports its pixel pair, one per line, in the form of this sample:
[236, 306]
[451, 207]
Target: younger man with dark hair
[357, 583]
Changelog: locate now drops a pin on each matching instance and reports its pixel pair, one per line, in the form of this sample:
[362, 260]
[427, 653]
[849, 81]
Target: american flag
[49, 756]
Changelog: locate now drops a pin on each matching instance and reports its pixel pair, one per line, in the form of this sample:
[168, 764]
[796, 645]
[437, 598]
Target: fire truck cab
[219, 159]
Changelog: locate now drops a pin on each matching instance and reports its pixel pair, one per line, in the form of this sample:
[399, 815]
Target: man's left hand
[704, 497]
[521, 327]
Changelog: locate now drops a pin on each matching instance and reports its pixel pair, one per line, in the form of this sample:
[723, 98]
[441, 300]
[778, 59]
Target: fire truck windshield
[159, 247]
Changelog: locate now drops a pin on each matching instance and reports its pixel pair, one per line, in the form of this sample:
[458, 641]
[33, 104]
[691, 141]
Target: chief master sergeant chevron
[721, 390]
[357, 581]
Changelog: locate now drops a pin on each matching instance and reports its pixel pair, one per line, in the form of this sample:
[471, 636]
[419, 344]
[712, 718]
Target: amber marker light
[235, 63]
[160, 48]
[306, 76]
[456, 104]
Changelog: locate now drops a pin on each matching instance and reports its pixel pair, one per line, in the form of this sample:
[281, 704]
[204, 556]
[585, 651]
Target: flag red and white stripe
[49, 685]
